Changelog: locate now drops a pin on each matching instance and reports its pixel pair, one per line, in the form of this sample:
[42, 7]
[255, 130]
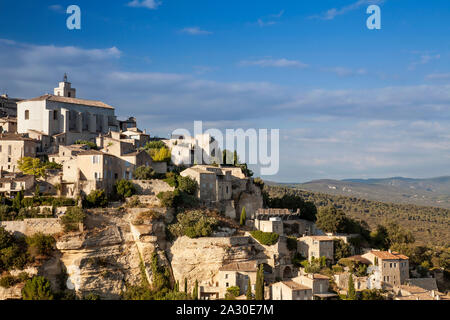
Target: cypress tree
[177, 286]
[185, 286]
[351, 293]
[249, 290]
[259, 290]
[235, 158]
[195, 291]
[243, 217]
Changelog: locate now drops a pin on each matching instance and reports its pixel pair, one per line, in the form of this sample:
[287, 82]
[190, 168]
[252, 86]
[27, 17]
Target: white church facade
[65, 117]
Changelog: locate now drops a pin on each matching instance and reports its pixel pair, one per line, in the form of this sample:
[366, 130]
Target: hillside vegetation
[429, 225]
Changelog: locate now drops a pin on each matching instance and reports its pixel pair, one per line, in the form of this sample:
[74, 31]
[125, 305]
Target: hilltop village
[92, 207]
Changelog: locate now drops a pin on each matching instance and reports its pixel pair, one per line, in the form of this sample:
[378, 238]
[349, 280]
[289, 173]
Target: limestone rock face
[200, 259]
[102, 259]
[12, 293]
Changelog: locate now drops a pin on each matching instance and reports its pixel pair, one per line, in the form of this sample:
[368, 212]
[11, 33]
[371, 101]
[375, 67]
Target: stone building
[8, 106]
[12, 183]
[13, 147]
[8, 125]
[316, 247]
[291, 290]
[214, 183]
[388, 269]
[188, 150]
[65, 117]
[236, 274]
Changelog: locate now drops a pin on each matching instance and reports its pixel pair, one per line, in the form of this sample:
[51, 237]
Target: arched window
[27, 114]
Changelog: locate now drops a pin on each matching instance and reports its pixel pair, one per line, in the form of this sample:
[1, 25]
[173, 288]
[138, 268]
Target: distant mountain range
[426, 192]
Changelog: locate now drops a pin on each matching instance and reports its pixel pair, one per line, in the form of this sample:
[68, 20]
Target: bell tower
[65, 89]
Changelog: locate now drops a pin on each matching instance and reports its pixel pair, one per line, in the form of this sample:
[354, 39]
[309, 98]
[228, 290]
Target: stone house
[316, 247]
[64, 117]
[13, 147]
[12, 183]
[236, 274]
[388, 269]
[318, 283]
[201, 149]
[8, 125]
[291, 290]
[274, 224]
[214, 184]
[341, 280]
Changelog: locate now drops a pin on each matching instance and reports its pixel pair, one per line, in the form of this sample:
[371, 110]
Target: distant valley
[423, 192]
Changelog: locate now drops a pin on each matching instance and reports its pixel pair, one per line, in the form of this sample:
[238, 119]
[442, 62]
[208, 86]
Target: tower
[65, 89]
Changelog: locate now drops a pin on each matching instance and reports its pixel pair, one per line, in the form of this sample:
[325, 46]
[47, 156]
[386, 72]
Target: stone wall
[29, 227]
[151, 187]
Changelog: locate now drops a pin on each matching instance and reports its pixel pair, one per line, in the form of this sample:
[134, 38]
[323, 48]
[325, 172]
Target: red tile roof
[90, 103]
[386, 255]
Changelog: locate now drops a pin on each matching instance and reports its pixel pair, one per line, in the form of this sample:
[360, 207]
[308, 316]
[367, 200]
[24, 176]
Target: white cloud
[438, 76]
[270, 19]
[424, 59]
[149, 4]
[57, 8]
[345, 72]
[334, 12]
[402, 130]
[280, 63]
[195, 31]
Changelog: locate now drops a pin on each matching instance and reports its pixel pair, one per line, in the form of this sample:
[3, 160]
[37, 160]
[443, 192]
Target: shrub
[243, 217]
[172, 179]
[90, 144]
[291, 243]
[73, 217]
[155, 145]
[37, 288]
[187, 185]
[124, 189]
[265, 238]
[160, 155]
[8, 281]
[193, 224]
[40, 244]
[13, 251]
[144, 173]
[235, 290]
[177, 198]
[96, 199]
[167, 199]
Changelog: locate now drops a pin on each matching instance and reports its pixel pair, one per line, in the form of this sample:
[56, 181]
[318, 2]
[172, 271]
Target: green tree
[40, 244]
[235, 158]
[351, 293]
[341, 249]
[96, 199]
[330, 219]
[37, 288]
[17, 201]
[249, 293]
[259, 287]
[187, 185]
[243, 217]
[144, 173]
[124, 189]
[195, 291]
[185, 285]
[31, 166]
[73, 217]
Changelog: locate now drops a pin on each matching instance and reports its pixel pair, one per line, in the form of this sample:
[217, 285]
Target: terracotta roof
[386, 255]
[247, 266]
[90, 103]
[295, 286]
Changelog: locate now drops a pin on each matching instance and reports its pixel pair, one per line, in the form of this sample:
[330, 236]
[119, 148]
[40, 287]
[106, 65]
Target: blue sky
[349, 102]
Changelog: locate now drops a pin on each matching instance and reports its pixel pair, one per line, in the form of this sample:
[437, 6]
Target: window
[227, 284]
[9, 150]
[27, 114]
[0, 148]
[226, 276]
[55, 115]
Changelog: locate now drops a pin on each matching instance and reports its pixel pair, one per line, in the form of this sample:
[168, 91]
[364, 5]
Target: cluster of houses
[60, 127]
[387, 271]
[55, 126]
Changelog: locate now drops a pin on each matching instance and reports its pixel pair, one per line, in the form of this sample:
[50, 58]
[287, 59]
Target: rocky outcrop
[200, 259]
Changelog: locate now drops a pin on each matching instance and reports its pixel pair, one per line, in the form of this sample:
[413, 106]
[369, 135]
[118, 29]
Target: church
[65, 118]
